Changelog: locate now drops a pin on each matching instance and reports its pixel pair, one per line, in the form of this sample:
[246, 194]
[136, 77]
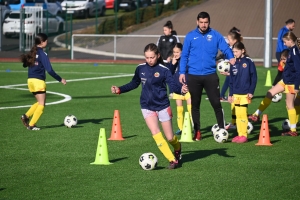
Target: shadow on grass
[195, 155]
[118, 159]
[94, 121]
[53, 126]
[2, 189]
[129, 136]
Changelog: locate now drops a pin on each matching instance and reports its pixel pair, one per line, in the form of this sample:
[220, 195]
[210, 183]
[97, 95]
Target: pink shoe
[235, 139]
[242, 139]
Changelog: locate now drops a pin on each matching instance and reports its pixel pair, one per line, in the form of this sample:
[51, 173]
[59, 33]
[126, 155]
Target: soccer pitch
[54, 163]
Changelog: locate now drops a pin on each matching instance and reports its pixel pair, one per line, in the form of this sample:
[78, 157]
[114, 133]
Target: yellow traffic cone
[268, 79]
[186, 134]
[102, 152]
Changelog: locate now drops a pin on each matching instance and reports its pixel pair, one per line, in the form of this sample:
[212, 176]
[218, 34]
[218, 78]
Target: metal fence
[131, 46]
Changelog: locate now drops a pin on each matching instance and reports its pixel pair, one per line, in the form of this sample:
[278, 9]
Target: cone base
[259, 144]
[186, 141]
[116, 139]
[104, 163]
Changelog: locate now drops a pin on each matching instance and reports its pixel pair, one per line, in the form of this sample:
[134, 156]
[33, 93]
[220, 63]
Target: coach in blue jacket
[289, 26]
[198, 57]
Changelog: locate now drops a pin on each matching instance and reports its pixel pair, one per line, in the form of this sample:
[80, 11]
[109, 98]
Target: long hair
[236, 34]
[240, 46]
[29, 58]
[152, 47]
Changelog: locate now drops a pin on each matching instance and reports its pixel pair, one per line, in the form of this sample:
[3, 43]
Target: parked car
[109, 4]
[129, 5]
[11, 25]
[52, 6]
[5, 9]
[84, 8]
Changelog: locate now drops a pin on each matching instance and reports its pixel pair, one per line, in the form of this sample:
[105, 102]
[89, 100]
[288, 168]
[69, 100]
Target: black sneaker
[178, 154]
[33, 128]
[25, 120]
[173, 164]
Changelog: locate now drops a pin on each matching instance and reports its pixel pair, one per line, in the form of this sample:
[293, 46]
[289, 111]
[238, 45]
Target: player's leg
[224, 89]
[212, 89]
[279, 87]
[39, 91]
[290, 97]
[297, 106]
[187, 97]
[179, 109]
[195, 84]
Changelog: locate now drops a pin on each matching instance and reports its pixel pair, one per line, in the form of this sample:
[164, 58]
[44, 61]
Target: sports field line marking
[66, 98]
[72, 80]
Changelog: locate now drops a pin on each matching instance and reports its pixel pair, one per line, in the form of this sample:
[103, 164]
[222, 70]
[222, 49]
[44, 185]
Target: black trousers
[211, 85]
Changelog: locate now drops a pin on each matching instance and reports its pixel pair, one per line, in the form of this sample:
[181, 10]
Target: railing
[131, 46]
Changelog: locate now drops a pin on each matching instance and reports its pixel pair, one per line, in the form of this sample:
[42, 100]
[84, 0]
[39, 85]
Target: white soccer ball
[148, 161]
[277, 97]
[223, 66]
[70, 121]
[249, 127]
[221, 135]
[214, 128]
[286, 125]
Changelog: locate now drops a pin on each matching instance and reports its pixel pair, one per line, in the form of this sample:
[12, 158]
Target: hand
[230, 99]
[232, 61]
[182, 79]
[225, 73]
[169, 59]
[250, 96]
[174, 60]
[63, 81]
[115, 90]
[184, 89]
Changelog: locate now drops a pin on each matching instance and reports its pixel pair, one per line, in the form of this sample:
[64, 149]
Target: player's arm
[133, 84]
[47, 65]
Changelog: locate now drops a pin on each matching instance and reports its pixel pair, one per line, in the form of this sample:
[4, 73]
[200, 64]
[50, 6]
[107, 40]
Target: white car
[54, 24]
[84, 8]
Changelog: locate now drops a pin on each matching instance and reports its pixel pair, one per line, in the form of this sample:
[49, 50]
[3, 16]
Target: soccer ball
[70, 121]
[249, 127]
[223, 66]
[214, 128]
[286, 125]
[221, 135]
[148, 161]
[277, 97]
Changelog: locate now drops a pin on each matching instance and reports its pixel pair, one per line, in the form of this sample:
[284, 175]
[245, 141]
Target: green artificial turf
[54, 163]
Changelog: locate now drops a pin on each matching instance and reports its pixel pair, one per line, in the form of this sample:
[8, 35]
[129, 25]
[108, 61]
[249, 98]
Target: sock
[163, 146]
[31, 110]
[244, 121]
[180, 117]
[233, 116]
[175, 143]
[36, 115]
[189, 108]
[241, 120]
[292, 118]
[263, 105]
[297, 108]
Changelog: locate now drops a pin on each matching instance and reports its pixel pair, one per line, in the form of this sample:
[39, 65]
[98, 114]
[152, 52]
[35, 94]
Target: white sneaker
[230, 126]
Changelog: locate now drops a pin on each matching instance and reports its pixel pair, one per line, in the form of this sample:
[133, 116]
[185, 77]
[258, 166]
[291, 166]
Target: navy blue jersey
[243, 77]
[154, 86]
[291, 72]
[42, 64]
[165, 45]
[175, 71]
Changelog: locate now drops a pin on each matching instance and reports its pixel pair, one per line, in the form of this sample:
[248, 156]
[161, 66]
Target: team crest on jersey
[209, 37]
[244, 65]
[171, 40]
[156, 74]
[163, 39]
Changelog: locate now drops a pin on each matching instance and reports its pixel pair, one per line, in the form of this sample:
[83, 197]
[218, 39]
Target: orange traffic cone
[264, 135]
[116, 130]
